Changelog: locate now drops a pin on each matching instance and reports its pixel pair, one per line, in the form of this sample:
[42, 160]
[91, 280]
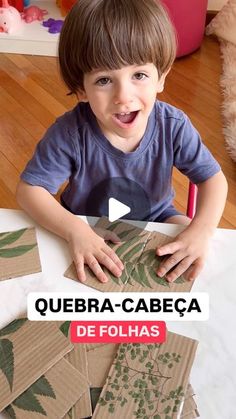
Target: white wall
[216, 4]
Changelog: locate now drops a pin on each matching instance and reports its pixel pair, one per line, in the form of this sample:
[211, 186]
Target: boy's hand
[88, 247]
[187, 255]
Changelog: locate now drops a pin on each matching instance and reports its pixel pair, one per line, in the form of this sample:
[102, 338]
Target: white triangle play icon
[116, 209]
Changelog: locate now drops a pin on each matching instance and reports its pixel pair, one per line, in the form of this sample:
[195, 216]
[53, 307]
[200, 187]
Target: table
[213, 375]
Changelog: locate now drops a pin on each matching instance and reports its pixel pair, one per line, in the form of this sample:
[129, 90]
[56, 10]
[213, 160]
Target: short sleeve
[54, 159]
[191, 156]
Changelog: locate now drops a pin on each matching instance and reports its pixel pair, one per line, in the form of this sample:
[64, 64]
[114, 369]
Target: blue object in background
[26, 3]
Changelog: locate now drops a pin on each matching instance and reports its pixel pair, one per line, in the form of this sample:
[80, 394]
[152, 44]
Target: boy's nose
[122, 95]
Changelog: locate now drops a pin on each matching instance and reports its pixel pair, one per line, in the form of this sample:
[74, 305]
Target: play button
[116, 209]
[118, 198]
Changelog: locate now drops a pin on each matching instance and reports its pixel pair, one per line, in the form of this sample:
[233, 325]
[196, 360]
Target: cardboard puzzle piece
[19, 253]
[98, 371]
[52, 395]
[138, 253]
[148, 380]
[27, 350]
[78, 358]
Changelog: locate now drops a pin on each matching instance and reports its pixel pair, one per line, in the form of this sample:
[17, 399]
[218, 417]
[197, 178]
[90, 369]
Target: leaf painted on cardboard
[124, 277]
[2, 234]
[12, 237]
[143, 275]
[125, 233]
[10, 411]
[28, 401]
[16, 251]
[43, 387]
[65, 327]
[157, 279]
[150, 258]
[136, 249]
[12, 327]
[136, 277]
[180, 280]
[127, 245]
[112, 277]
[112, 227]
[7, 360]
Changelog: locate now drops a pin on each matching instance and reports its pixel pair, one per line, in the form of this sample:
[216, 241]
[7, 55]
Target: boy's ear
[161, 82]
[81, 95]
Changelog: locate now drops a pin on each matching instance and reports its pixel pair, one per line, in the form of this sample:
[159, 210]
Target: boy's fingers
[169, 248]
[94, 265]
[194, 270]
[169, 263]
[180, 269]
[106, 261]
[79, 266]
[112, 255]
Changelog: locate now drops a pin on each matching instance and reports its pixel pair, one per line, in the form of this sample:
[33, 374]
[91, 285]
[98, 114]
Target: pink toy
[32, 13]
[188, 18]
[10, 19]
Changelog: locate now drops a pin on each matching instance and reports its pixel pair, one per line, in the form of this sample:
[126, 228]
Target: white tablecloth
[213, 375]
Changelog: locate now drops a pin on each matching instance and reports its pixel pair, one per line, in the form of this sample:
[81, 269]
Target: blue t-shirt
[75, 149]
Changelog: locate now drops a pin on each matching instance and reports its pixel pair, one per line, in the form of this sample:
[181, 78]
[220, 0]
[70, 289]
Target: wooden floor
[32, 96]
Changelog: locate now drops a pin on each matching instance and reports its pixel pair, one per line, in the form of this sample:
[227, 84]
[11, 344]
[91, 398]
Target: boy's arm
[188, 250]
[85, 245]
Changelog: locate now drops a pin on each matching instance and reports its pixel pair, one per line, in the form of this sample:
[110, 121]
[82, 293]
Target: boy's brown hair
[110, 34]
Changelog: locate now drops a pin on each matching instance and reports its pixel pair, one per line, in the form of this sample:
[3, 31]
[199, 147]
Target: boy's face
[122, 100]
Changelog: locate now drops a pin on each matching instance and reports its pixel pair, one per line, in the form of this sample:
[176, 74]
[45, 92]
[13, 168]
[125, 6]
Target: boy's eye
[103, 81]
[140, 76]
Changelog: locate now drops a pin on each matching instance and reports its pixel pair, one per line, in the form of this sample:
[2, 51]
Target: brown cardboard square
[19, 253]
[140, 261]
[77, 357]
[147, 379]
[52, 395]
[28, 349]
[100, 360]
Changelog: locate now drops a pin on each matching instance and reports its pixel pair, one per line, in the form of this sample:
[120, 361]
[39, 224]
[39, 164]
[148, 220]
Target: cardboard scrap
[27, 350]
[148, 380]
[52, 395]
[19, 253]
[138, 253]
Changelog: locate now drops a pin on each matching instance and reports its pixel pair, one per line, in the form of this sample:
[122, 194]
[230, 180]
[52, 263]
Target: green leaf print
[12, 237]
[28, 401]
[12, 327]
[143, 275]
[16, 251]
[65, 327]
[179, 280]
[157, 279]
[43, 387]
[133, 251]
[7, 360]
[127, 245]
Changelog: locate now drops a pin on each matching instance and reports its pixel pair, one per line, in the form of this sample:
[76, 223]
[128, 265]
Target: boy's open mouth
[126, 117]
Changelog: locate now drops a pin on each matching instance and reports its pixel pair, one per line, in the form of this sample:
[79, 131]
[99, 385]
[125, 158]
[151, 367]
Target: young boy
[115, 55]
